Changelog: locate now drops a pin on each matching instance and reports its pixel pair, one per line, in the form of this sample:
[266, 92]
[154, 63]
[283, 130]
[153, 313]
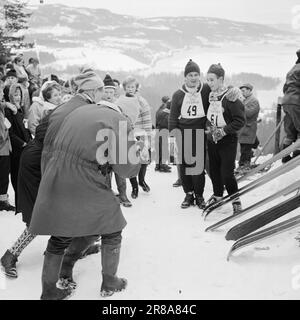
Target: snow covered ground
[167, 255]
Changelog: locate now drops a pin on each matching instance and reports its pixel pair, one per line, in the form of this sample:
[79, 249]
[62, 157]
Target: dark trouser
[196, 182]
[193, 183]
[4, 174]
[246, 154]
[291, 123]
[58, 245]
[163, 149]
[120, 182]
[14, 171]
[142, 174]
[222, 164]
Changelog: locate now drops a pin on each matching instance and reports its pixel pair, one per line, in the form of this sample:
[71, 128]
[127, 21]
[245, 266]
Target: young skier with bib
[224, 119]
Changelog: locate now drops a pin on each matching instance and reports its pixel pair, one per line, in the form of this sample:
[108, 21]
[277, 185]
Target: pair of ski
[260, 181]
[242, 232]
[265, 234]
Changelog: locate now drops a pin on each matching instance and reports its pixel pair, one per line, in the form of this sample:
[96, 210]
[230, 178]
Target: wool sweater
[232, 114]
[177, 119]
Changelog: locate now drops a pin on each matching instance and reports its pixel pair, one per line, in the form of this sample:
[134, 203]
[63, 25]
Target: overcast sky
[260, 11]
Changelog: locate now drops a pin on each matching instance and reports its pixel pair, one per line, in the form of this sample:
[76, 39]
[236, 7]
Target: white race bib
[192, 106]
[215, 114]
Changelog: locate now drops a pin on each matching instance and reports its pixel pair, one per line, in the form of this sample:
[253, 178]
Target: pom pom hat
[191, 66]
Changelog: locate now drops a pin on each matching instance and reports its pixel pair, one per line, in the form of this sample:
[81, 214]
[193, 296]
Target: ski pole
[268, 141]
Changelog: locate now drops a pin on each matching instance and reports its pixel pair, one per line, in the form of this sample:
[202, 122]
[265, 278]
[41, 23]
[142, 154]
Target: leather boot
[188, 201]
[74, 252]
[8, 262]
[110, 256]
[200, 202]
[50, 273]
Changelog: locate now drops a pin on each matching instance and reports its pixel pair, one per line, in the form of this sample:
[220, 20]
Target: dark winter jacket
[248, 133]
[291, 87]
[30, 172]
[162, 116]
[74, 199]
[5, 145]
[176, 120]
[17, 132]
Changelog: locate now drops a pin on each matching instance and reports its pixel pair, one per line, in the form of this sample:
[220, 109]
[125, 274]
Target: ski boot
[188, 201]
[200, 202]
[8, 262]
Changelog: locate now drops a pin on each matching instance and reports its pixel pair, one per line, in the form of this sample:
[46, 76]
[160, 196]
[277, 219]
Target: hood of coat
[13, 88]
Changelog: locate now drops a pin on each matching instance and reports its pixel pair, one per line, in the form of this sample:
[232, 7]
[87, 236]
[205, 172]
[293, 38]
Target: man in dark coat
[162, 122]
[247, 135]
[74, 204]
[5, 149]
[291, 107]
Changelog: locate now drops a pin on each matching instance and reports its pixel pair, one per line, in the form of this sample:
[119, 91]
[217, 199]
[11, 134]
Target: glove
[218, 134]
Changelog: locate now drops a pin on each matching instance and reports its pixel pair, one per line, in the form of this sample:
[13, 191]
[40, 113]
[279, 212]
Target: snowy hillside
[167, 255]
[68, 36]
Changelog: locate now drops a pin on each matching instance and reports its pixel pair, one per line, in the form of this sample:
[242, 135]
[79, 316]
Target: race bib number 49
[192, 107]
